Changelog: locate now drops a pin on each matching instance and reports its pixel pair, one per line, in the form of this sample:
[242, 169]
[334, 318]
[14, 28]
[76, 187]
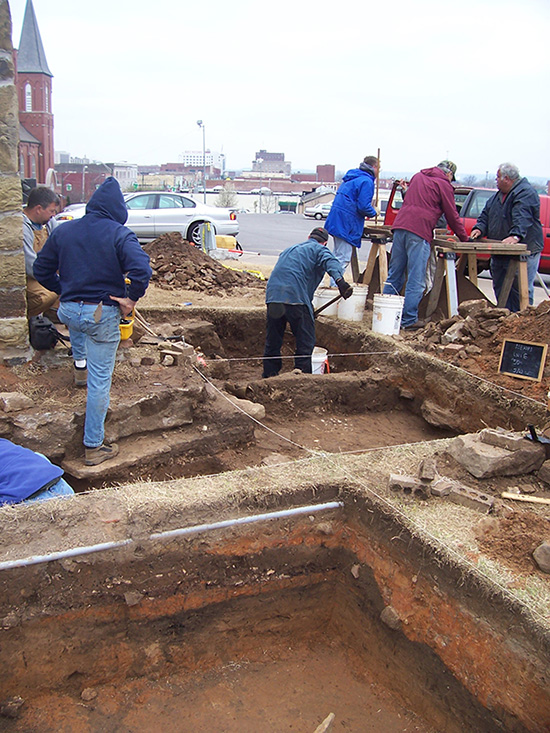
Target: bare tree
[469, 180]
[227, 198]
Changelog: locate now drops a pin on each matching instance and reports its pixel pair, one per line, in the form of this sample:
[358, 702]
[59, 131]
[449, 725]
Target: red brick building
[33, 80]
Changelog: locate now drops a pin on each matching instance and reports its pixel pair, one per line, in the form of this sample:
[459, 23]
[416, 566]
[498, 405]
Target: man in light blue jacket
[289, 296]
[352, 204]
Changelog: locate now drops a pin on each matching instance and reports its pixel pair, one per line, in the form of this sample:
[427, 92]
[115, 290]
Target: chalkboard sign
[523, 359]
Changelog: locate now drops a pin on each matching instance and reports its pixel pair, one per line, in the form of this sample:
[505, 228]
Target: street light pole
[260, 163]
[201, 125]
[84, 182]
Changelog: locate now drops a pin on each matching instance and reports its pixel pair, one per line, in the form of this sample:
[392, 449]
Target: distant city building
[62, 156]
[212, 160]
[77, 182]
[33, 80]
[126, 174]
[265, 162]
[326, 173]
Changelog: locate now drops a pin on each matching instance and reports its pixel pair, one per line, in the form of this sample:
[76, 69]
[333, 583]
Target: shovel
[326, 305]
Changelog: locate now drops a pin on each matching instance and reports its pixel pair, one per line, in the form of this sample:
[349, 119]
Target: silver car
[321, 211]
[153, 213]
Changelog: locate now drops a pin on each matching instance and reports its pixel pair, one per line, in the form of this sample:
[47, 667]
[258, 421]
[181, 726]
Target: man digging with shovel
[289, 296]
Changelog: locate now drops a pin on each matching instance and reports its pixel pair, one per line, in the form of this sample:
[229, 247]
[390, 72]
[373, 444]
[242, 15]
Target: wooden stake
[520, 497]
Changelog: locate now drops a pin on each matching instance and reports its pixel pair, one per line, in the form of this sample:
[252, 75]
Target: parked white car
[321, 211]
[152, 213]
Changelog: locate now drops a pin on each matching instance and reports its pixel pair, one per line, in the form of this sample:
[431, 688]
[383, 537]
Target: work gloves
[346, 291]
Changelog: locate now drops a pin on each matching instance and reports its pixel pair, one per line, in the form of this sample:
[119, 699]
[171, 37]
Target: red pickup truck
[469, 203]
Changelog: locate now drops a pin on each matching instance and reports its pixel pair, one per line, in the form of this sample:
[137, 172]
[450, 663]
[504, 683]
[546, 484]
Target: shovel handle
[326, 305]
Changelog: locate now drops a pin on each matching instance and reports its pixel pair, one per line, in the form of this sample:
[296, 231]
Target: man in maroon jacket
[429, 195]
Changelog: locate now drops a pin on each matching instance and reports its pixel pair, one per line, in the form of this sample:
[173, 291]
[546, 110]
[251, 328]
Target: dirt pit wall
[178, 615]
[444, 394]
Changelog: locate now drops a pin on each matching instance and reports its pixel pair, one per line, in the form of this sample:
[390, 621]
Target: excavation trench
[350, 609]
[265, 626]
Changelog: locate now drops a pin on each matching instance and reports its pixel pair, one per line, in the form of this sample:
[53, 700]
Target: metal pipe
[247, 520]
[76, 551]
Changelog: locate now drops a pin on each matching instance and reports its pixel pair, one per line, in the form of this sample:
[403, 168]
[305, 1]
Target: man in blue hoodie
[86, 261]
[352, 203]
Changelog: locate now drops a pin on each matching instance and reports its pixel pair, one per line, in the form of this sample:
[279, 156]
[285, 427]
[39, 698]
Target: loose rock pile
[177, 264]
[473, 340]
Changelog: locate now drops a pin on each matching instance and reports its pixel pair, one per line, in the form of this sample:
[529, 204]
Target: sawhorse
[377, 252]
[447, 271]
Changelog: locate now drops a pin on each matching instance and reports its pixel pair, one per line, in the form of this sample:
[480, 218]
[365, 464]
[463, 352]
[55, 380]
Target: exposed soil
[237, 697]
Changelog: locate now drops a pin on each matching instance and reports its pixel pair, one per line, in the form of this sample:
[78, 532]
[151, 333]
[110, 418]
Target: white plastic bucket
[386, 314]
[319, 359]
[322, 296]
[353, 308]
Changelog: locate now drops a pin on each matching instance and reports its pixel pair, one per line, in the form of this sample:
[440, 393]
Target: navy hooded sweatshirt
[23, 472]
[87, 259]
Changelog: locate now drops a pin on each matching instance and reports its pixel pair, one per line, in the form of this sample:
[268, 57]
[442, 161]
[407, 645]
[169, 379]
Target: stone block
[5, 28]
[11, 232]
[390, 617]
[408, 485]
[544, 473]
[483, 460]
[13, 303]
[472, 307]
[502, 438]
[11, 195]
[427, 470]
[471, 498]
[14, 333]
[453, 333]
[439, 416]
[442, 486]
[12, 270]
[253, 409]
[14, 401]
[542, 557]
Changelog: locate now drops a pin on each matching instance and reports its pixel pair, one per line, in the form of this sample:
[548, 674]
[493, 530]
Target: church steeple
[30, 55]
[34, 88]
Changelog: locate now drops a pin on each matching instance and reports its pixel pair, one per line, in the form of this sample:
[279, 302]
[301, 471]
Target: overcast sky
[324, 82]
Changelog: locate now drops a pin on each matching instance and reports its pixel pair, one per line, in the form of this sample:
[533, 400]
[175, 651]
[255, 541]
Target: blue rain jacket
[23, 472]
[298, 272]
[92, 255]
[352, 204]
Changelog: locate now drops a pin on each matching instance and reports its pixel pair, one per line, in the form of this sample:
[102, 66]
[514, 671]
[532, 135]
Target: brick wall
[14, 344]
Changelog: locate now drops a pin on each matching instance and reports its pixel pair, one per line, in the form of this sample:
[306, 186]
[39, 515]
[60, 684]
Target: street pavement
[270, 234]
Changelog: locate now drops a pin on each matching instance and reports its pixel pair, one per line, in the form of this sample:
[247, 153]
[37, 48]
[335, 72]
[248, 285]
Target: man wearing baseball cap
[289, 296]
[429, 195]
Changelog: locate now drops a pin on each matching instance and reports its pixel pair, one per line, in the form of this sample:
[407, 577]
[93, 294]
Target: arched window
[33, 166]
[47, 98]
[28, 97]
[22, 164]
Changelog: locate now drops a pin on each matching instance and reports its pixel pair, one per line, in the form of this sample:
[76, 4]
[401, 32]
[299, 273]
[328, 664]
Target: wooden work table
[448, 248]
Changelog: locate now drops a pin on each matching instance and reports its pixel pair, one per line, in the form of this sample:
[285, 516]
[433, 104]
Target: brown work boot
[95, 456]
[80, 376]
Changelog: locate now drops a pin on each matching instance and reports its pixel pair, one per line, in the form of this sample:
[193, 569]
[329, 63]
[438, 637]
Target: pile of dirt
[179, 265]
[473, 340]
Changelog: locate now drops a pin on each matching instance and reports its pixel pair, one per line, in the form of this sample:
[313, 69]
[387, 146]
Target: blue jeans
[60, 488]
[342, 251]
[409, 256]
[499, 266]
[302, 326]
[97, 343]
